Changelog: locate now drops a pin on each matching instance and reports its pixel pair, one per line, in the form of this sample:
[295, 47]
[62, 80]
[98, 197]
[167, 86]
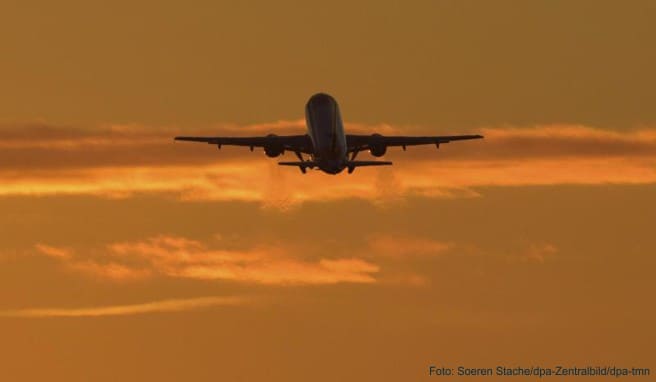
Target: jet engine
[273, 146]
[376, 146]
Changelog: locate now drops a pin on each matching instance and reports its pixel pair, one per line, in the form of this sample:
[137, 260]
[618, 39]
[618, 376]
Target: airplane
[329, 148]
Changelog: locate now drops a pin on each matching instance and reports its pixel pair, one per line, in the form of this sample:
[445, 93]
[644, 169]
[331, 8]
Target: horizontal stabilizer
[308, 163]
[352, 164]
[302, 165]
[358, 163]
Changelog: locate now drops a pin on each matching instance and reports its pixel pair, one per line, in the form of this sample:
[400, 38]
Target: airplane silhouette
[326, 143]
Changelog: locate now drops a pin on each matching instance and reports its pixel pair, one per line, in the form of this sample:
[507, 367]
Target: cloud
[110, 270]
[179, 257]
[175, 305]
[403, 247]
[559, 141]
[278, 264]
[56, 252]
[123, 161]
[381, 258]
[537, 253]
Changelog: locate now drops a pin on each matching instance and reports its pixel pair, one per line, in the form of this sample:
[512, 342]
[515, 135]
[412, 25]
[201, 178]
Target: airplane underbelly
[325, 128]
[329, 147]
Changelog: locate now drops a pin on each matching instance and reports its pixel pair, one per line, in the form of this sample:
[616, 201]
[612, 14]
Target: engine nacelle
[376, 146]
[273, 146]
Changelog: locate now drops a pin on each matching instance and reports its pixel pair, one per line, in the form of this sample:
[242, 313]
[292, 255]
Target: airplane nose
[321, 99]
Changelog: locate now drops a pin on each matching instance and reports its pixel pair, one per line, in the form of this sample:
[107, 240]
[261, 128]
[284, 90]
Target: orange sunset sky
[127, 256]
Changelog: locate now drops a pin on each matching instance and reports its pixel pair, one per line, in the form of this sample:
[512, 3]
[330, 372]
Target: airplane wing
[296, 143]
[365, 142]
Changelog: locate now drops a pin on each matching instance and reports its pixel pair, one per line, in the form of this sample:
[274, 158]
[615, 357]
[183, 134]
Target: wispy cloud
[536, 253]
[180, 257]
[381, 258]
[121, 161]
[174, 305]
[404, 246]
[56, 252]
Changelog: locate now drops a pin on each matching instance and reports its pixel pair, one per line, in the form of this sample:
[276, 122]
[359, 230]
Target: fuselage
[325, 128]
